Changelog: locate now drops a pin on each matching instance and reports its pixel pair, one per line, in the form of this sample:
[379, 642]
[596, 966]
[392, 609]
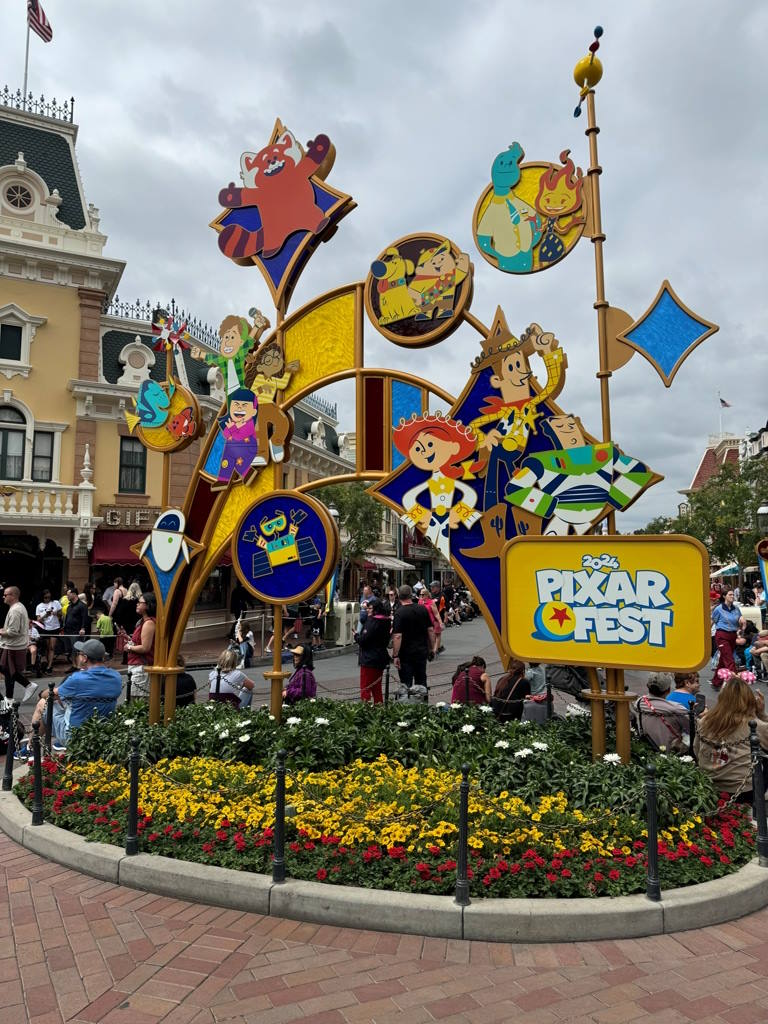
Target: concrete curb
[492, 920]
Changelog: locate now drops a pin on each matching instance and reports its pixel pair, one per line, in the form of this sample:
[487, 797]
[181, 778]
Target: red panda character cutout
[276, 180]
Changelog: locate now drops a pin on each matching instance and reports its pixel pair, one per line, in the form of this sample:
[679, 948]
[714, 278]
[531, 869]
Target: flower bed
[383, 824]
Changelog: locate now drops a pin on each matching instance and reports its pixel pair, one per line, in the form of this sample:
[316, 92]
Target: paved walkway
[73, 949]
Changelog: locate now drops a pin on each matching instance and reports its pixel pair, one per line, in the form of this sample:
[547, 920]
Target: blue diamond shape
[667, 333]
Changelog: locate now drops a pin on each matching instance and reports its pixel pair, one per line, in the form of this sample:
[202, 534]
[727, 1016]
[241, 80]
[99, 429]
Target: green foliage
[359, 517]
[327, 734]
[723, 514]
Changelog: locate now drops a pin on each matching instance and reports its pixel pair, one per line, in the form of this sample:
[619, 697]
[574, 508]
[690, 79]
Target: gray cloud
[168, 95]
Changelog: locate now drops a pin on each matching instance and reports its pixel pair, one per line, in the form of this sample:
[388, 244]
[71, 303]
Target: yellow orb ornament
[588, 72]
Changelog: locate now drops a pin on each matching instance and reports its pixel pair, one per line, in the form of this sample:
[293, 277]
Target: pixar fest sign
[612, 602]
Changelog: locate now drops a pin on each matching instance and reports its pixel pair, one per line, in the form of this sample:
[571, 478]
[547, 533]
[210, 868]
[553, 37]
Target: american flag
[724, 404]
[38, 22]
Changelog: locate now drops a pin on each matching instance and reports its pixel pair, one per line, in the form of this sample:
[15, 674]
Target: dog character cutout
[392, 272]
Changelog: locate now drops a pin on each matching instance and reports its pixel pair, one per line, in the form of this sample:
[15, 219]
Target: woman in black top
[511, 690]
[373, 656]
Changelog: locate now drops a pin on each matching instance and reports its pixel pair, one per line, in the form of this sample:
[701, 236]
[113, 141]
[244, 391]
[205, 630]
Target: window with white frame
[17, 332]
[12, 436]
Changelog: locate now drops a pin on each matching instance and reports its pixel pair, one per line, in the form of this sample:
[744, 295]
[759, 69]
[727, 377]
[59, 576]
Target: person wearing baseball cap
[92, 689]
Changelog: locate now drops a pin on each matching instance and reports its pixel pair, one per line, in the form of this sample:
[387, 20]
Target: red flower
[706, 861]
[294, 847]
[724, 859]
[177, 834]
[222, 835]
[631, 862]
[397, 852]
[153, 836]
[565, 873]
[322, 874]
[434, 850]
[207, 847]
[551, 877]
[599, 877]
[514, 868]
[614, 875]
[309, 845]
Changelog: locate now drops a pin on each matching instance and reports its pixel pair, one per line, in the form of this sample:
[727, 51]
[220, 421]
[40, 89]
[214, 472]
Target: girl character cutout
[559, 195]
[440, 503]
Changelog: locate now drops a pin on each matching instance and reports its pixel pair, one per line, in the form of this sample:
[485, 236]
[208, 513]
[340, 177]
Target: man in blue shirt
[686, 687]
[92, 689]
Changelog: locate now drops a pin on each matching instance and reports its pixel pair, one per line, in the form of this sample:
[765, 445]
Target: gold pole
[276, 677]
[614, 678]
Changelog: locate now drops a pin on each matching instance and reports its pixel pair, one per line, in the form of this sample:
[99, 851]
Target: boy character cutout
[237, 340]
[570, 486]
[433, 286]
[442, 502]
[273, 374]
[238, 428]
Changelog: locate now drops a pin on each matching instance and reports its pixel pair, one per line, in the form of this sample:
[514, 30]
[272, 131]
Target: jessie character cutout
[442, 502]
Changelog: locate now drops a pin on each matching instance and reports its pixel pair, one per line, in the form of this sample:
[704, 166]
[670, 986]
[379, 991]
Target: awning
[113, 547]
[386, 561]
[728, 570]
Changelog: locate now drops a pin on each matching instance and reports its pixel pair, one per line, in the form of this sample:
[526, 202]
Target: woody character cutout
[507, 419]
[442, 502]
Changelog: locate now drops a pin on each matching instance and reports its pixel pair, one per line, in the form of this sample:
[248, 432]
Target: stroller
[414, 695]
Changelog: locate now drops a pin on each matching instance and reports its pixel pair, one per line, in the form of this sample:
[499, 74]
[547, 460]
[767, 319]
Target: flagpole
[720, 408]
[26, 69]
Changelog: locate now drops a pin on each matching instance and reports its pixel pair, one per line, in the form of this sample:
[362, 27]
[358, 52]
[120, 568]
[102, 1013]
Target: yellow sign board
[615, 602]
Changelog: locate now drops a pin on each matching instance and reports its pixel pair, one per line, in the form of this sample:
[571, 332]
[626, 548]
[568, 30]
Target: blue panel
[279, 561]
[666, 332]
[406, 400]
[213, 461]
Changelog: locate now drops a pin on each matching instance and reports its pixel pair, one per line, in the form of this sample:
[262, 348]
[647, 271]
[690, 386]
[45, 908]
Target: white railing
[42, 501]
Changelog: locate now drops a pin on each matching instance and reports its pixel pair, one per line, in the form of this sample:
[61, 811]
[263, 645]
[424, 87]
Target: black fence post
[386, 685]
[652, 885]
[550, 703]
[37, 777]
[11, 749]
[278, 849]
[128, 686]
[462, 879]
[758, 795]
[691, 727]
[49, 716]
[132, 831]
[218, 681]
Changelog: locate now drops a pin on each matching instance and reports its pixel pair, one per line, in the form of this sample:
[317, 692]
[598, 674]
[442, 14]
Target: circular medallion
[417, 289]
[166, 416]
[285, 547]
[531, 215]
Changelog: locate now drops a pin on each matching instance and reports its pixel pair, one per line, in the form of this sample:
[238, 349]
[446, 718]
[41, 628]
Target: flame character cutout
[559, 195]
[442, 502]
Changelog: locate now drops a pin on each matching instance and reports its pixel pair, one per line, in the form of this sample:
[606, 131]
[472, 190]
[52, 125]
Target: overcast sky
[418, 99]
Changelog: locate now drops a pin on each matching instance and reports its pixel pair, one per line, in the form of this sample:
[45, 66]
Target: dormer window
[17, 331]
[18, 196]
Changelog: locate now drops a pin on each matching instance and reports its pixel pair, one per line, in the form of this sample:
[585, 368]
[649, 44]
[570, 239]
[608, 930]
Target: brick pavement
[79, 950]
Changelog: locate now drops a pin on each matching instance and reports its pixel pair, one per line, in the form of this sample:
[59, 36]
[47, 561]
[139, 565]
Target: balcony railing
[64, 111]
[41, 501]
[143, 311]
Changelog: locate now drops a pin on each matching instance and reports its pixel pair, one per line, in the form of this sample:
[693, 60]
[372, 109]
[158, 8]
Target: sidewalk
[76, 950]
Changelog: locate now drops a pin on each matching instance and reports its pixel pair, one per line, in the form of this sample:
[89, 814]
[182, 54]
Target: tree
[359, 519]
[661, 524]
[723, 513]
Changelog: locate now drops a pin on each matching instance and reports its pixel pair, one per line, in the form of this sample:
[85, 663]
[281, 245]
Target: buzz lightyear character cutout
[575, 483]
[442, 502]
